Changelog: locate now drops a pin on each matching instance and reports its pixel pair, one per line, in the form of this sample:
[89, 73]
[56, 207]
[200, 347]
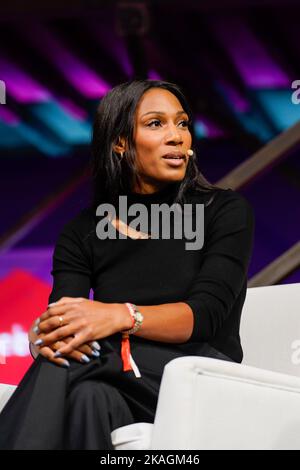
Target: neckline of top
[158, 196]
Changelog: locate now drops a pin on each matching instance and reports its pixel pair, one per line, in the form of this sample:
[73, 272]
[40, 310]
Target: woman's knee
[87, 390]
[108, 400]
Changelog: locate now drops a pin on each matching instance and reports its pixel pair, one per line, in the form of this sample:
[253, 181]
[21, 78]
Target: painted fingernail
[38, 342]
[57, 354]
[52, 304]
[37, 321]
[96, 353]
[66, 363]
[36, 329]
[84, 358]
[96, 345]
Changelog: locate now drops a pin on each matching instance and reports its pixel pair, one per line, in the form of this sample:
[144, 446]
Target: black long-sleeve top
[211, 280]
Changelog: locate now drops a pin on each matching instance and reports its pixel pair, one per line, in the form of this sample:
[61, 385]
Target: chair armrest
[207, 403]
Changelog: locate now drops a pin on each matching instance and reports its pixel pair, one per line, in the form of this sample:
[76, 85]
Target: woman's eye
[152, 122]
[186, 123]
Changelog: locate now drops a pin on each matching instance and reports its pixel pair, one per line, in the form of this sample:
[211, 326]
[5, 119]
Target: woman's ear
[120, 146]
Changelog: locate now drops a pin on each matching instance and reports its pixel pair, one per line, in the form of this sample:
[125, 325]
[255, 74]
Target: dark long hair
[115, 117]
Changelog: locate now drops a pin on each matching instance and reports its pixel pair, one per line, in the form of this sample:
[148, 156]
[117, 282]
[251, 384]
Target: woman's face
[161, 127]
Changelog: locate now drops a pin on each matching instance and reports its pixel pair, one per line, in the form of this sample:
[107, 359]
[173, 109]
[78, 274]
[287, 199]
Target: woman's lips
[174, 161]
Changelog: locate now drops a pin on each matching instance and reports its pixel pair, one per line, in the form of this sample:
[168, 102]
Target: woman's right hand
[81, 355]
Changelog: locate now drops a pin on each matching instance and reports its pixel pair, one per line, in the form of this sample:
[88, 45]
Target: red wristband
[125, 348]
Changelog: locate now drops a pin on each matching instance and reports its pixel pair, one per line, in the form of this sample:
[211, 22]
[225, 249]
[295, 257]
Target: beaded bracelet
[128, 362]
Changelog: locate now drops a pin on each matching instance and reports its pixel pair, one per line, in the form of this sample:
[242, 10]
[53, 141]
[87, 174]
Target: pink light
[251, 59]
[20, 85]
[72, 108]
[8, 116]
[153, 75]
[240, 103]
[212, 130]
[79, 75]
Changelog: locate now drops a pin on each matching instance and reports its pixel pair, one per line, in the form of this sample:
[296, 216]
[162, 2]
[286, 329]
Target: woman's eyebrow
[161, 112]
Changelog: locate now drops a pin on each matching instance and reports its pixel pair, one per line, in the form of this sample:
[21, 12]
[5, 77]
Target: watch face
[139, 316]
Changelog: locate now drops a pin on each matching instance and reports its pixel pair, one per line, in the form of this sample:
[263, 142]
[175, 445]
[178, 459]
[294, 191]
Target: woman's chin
[174, 175]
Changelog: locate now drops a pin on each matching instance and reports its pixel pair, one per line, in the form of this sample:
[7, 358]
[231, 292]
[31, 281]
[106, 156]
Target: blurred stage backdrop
[239, 65]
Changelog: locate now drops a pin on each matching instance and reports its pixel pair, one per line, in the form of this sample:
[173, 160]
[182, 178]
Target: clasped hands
[71, 326]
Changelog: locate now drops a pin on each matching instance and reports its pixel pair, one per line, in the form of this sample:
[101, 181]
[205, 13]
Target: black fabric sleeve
[224, 265]
[72, 267]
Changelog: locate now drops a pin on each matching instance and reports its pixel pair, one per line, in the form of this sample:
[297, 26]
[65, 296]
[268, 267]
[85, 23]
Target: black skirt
[78, 407]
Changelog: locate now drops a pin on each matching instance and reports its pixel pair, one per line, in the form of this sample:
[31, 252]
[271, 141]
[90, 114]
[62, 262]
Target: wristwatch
[138, 320]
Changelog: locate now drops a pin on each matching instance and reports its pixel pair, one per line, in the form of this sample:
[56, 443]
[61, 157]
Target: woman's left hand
[86, 320]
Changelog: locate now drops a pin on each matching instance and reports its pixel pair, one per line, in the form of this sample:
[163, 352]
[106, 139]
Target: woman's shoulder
[234, 199]
[217, 197]
[225, 206]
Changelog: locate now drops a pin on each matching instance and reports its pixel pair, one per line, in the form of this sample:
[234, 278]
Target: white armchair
[211, 404]
[226, 406]
[206, 403]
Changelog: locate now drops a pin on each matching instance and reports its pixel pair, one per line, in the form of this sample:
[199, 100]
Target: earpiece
[190, 152]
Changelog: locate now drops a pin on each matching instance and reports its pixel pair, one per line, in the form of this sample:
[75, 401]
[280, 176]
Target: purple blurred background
[235, 61]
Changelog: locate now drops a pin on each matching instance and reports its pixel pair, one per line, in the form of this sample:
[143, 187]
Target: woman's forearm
[170, 323]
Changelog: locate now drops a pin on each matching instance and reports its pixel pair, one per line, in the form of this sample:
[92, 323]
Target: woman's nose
[173, 134]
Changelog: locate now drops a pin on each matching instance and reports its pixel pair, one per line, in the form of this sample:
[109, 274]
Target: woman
[91, 375]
